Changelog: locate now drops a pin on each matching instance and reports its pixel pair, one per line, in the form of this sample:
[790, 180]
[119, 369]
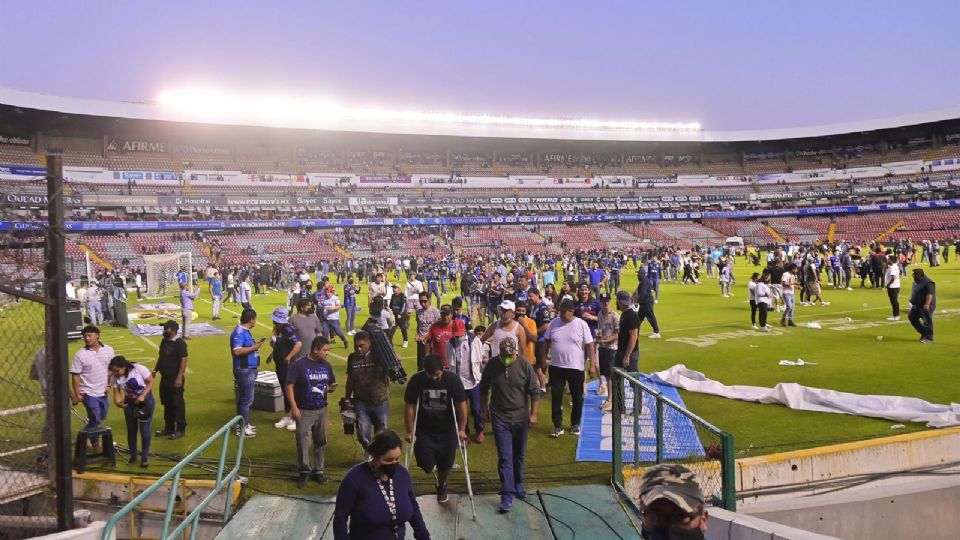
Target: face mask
[508, 360]
[390, 469]
[668, 533]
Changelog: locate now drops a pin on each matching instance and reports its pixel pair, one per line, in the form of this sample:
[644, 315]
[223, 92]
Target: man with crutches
[435, 416]
[514, 404]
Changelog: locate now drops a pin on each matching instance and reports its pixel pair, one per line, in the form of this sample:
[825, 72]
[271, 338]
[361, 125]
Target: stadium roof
[405, 126]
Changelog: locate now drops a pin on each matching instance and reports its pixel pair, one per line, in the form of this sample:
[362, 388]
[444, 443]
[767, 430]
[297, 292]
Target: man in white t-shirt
[568, 342]
[246, 294]
[891, 281]
[788, 282]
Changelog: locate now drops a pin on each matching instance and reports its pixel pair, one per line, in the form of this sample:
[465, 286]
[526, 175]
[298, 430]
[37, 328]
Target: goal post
[162, 272]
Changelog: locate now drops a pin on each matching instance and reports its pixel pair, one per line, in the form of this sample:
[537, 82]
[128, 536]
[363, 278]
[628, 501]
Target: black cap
[604, 297]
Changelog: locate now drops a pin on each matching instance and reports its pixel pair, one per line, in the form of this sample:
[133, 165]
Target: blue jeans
[243, 383]
[789, 305]
[95, 312]
[371, 419]
[351, 317]
[473, 397]
[333, 329]
[97, 407]
[143, 427]
[511, 441]
[656, 289]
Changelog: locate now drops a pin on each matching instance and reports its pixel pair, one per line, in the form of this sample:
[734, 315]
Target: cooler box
[267, 394]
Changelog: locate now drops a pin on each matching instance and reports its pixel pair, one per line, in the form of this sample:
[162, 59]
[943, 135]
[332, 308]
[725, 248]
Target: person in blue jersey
[376, 499]
[654, 274]
[308, 385]
[181, 277]
[614, 268]
[246, 359]
[216, 294]
[433, 283]
[350, 292]
[133, 392]
[286, 348]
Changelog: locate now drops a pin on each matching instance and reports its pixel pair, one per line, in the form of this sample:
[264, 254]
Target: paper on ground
[803, 398]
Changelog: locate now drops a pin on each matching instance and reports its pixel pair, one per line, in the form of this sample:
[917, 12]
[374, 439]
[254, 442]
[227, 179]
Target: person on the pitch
[172, 367]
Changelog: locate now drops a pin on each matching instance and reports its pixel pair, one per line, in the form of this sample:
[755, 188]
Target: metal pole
[659, 429]
[728, 473]
[616, 389]
[57, 341]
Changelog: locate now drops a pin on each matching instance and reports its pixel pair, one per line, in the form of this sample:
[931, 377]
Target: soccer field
[700, 329]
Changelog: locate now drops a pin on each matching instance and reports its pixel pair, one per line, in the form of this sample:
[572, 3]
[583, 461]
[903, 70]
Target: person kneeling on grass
[430, 397]
[309, 381]
[133, 385]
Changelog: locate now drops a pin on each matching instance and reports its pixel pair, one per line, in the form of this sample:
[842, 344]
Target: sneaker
[176, 435]
[849, 288]
[575, 430]
[755, 327]
[520, 492]
[302, 480]
[893, 318]
[442, 496]
[655, 335]
[926, 340]
[791, 323]
[557, 432]
[765, 329]
[783, 322]
[822, 304]
[284, 422]
[249, 431]
[163, 433]
[405, 344]
[144, 462]
[292, 426]
[320, 478]
[506, 502]
[656, 301]
[132, 460]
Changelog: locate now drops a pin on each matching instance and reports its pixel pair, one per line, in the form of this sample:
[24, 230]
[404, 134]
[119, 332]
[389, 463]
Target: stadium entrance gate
[35, 478]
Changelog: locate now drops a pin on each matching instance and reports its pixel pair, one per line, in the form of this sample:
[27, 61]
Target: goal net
[162, 272]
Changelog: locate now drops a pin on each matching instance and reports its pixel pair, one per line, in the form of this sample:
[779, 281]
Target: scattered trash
[897, 426]
[865, 305]
[849, 319]
[799, 362]
[814, 325]
[754, 346]
[879, 338]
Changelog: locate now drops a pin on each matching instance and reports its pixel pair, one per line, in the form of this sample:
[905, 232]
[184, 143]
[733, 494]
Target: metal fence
[34, 422]
[649, 428]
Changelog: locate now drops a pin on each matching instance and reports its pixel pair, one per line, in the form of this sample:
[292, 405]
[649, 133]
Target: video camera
[383, 351]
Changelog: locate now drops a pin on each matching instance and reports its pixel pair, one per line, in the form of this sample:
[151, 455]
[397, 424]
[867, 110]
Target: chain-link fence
[28, 498]
[649, 428]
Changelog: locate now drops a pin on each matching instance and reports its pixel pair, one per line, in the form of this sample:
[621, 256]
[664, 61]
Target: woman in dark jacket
[376, 499]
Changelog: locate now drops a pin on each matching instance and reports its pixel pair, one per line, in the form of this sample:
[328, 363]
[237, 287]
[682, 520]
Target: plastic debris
[814, 325]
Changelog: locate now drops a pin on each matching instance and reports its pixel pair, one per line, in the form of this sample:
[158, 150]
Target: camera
[348, 415]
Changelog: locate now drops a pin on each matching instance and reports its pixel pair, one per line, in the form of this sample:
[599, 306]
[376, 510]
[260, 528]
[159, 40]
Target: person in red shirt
[441, 331]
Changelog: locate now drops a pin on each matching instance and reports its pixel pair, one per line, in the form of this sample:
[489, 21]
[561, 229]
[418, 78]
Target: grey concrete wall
[90, 532]
[927, 509]
[724, 525]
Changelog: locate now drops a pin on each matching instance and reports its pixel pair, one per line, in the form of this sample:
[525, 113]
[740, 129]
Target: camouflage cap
[674, 483]
[508, 346]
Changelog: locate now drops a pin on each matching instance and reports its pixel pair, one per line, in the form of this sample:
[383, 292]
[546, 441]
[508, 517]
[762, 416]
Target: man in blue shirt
[597, 278]
[186, 304]
[654, 272]
[246, 359]
[308, 383]
[216, 294]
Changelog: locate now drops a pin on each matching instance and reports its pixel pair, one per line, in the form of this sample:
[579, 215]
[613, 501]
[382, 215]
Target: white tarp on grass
[803, 398]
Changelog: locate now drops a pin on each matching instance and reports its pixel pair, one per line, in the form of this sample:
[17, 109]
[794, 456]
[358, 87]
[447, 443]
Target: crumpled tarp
[804, 398]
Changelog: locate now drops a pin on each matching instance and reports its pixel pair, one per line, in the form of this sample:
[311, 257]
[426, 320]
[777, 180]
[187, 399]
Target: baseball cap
[280, 315]
[508, 346]
[604, 297]
[508, 304]
[457, 302]
[623, 297]
[396, 285]
[674, 483]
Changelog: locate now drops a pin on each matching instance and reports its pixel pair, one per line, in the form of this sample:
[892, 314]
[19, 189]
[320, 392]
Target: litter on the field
[814, 325]
[799, 362]
[897, 426]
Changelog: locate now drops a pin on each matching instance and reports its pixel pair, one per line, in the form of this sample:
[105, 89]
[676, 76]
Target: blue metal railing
[224, 482]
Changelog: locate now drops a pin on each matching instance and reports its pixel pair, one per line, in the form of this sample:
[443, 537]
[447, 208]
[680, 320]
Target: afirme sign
[125, 145]
[14, 140]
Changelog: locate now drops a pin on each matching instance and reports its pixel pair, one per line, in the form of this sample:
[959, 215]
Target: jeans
[216, 307]
[922, 321]
[433, 290]
[560, 377]
[473, 398]
[351, 318]
[97, 407]
[137, 426]
[311, 435]
[243, 383]
[174, 409]
[893, 293]
[95, 312]
[371, 419]
[790, 303]
[185, 317]
[511, 439]
[646, 312]
[333, 329]
[656, 289]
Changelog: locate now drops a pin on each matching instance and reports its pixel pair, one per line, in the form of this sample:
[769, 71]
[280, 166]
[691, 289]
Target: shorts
[777, 291]
[607, 357]
[813, 289]
[435, 452]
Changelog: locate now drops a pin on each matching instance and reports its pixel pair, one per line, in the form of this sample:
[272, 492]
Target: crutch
[463, 454]
[416, 414]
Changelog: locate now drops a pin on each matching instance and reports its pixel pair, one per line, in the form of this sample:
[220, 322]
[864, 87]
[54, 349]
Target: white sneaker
[765, 329]
[755, 327]
[405, 344]
[656, 301]
[292, 426]
[824, 303]
[249, 431]
[654, 335]
[893, 318]
[849, 288]
[284, 422]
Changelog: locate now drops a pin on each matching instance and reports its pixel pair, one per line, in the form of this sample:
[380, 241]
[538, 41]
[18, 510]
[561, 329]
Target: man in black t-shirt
[436, 391]
[172, 367]
[628, 356]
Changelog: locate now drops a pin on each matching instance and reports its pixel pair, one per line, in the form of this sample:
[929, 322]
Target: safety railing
[649, 428]
[224, 481]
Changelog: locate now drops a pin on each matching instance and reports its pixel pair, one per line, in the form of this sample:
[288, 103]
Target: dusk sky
[727, 65]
